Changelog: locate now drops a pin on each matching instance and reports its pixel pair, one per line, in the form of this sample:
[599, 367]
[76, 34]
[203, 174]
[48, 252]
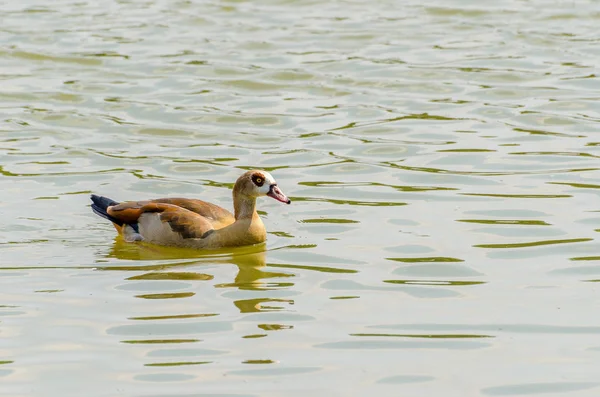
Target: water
[442, 159]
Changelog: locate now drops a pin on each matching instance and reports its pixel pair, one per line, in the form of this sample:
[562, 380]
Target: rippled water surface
[443, 162]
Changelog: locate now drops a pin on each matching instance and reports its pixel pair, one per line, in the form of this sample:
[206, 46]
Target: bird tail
[99, 206]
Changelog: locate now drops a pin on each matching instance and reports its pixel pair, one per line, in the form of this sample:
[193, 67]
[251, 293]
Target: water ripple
[441, 159]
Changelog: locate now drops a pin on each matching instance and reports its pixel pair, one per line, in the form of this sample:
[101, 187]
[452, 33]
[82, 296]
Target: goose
[192, 223]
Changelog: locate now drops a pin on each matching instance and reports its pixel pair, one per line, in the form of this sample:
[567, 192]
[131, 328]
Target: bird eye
[258, 180]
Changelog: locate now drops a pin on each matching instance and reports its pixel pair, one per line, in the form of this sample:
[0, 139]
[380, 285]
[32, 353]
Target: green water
[443, 163]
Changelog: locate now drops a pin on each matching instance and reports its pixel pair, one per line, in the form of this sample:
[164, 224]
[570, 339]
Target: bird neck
[244, 207]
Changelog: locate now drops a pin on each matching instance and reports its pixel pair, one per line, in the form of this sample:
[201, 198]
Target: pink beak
[278, 195]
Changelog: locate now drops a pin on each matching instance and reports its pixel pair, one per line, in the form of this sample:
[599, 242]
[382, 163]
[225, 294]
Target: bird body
[194, 223]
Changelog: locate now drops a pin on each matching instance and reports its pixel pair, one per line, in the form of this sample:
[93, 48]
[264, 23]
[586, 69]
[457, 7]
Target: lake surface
[443, 163]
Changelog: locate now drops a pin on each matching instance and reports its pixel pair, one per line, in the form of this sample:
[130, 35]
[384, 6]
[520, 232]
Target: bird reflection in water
[177, 263]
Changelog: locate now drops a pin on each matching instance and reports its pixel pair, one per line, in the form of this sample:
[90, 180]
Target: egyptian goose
[194, 223]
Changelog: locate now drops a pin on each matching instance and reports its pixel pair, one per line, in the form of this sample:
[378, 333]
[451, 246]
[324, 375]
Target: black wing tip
[99, 206]
[102, 213]
[102, 202]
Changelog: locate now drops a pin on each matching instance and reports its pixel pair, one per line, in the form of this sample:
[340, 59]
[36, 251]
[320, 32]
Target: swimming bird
[194, 223]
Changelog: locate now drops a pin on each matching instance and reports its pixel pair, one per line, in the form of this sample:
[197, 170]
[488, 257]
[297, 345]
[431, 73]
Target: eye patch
[258, 180]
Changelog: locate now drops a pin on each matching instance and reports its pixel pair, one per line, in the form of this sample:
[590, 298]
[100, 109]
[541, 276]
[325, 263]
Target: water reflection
[149, 252]
[439, 179]
[250, 263]
[164, 274]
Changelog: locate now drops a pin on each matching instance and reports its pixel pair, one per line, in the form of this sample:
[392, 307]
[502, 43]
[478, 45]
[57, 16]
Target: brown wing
[212, 212]
[186, 223]
[130, 211]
